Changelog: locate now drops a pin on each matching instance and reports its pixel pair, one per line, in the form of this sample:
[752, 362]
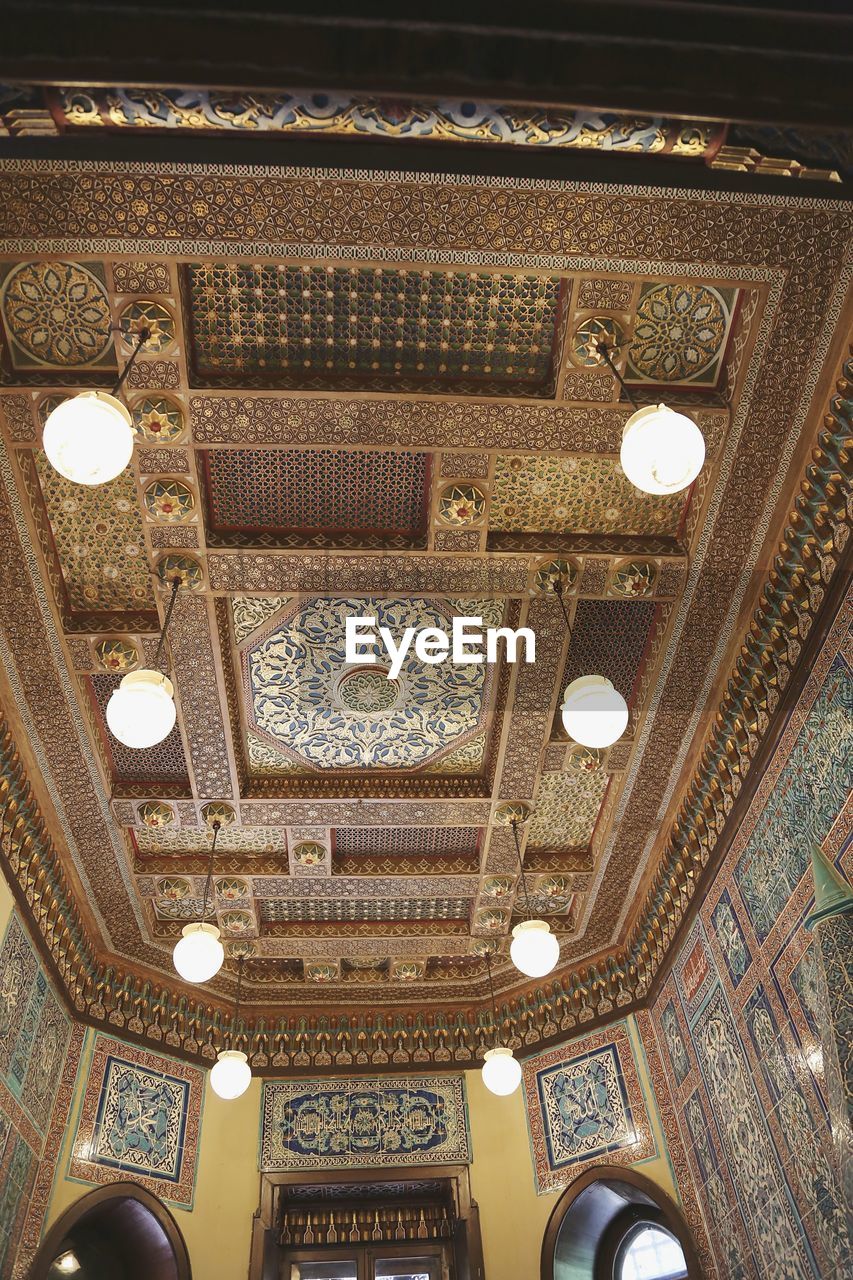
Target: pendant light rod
[216, 825]
[494, 1001]
[605, 351]
[176, 582]
[514, 825]
[236, 1017]
[142, 338]
[558, 592]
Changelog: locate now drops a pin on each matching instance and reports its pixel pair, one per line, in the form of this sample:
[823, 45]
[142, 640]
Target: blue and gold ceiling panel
[371, 327]
[321, 713]
[306, 497]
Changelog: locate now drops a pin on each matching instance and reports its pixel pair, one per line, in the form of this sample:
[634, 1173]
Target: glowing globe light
[534, 950]
[231, 1074]
[88, 439]
[594, 713]
[198, 954]
[141, 711]
[662, 451]
[501, 1072]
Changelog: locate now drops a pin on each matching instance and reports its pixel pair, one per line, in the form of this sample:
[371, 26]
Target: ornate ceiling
[377, 393]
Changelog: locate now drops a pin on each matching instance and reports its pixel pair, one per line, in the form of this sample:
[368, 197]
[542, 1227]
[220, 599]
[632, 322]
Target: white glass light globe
[231, 1074]
[141, 711]
[662, 451]
[501, 1072]
[88, 439]
[198, 954]
[594, 713]
[534, 950]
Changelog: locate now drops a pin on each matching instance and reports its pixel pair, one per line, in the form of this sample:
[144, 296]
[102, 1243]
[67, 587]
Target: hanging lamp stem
[514, 825]
[216, 825]
[240, 960]
[176, 582]
[605, 351]
[558, 592]
[494, 1001]
[142, 338]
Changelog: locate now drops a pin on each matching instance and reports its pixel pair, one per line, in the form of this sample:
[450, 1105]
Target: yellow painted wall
[512, 1216]
[218, 1229]
[6, 904]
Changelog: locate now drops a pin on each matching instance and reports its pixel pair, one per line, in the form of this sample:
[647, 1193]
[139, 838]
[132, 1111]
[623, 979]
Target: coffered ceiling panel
[410, 420]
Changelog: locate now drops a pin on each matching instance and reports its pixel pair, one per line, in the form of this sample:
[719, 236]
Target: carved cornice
[811, 567]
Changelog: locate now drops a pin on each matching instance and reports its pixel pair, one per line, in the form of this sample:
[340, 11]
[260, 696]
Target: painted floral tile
[140, 1118]
[585, 1102]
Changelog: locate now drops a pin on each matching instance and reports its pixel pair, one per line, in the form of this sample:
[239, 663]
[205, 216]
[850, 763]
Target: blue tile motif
[363, 1123]
[730, 937]
[809, 794]
[585, 1107]
[675, 1045]
[140, 1121]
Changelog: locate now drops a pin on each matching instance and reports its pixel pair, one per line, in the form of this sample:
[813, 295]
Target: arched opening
[118, 1230]
[616, 1224]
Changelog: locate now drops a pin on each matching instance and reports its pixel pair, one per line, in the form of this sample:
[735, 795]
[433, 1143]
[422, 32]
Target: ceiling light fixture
[501, 1071]
[67, 1263]
[231, 1074]
[88, 438]
[141, 711]
[662, 451]
[198, 954]
[594, 713]
[534, 950]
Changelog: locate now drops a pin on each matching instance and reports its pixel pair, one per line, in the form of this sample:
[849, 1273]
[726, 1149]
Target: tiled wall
[39, 1054]
[735, 1023]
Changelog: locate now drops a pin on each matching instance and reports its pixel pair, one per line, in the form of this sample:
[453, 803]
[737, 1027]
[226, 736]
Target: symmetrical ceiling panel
[429, 438]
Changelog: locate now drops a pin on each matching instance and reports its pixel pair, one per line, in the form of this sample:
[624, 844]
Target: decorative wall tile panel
[364, 1123]
[140, 1117]
[532, 494]
[585, 1102]
[38, 1048]
[358, 325]
[810, 793]
[739, 1018]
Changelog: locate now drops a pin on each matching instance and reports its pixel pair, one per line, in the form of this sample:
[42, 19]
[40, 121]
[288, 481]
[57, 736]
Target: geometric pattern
[576, 495]
[141, 1116]
[812, 790]
[165, 762]
[320, 713]
[56, 314]
[585, 1102]
[567, 808]
[364, 1123]
[35, 1040]
[361, 325]
[680, 333]
[738, 1017]
[609, 637]
[317, 491]
[99, 540]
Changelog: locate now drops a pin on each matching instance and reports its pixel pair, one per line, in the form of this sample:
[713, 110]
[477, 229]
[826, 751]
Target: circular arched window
[649, 1252]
